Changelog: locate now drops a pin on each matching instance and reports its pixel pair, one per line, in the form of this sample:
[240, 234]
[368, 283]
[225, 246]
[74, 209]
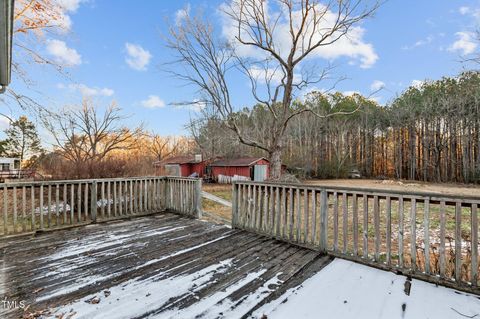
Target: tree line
[430, 132]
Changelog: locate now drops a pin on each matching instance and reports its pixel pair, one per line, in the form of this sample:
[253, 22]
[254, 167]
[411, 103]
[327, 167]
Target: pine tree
[22, 139]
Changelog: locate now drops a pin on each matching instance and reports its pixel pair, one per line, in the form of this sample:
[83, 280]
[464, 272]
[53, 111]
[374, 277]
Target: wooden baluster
[474, 237]
[79, 201]
[291, 212]
[388, 209]
[57, 204]
[24, 208]
[314, 217]
[426, 234]
[15, 212]
[299, 214]
[345, 221]
[32, 198]
[442, 239]
[413, 234]
[323, 221]
[335, 221]
[102, 199]
[41, 208]
[49, 203]
[65, 204]
[72, 203]
[305, 215]
[5, 210]
[85, 204]
[355, 224]
[458, 242]
[365, 226]
[376, 218]
[400, 232]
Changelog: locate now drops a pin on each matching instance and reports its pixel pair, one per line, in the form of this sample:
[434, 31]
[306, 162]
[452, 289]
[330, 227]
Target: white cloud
[137, 57]
[63, 54]
[464, 10]
[377, 85]
[417, 83]
[350, 93]
[88, 91]
[352, 45]
[181, 14]
[153, 102]
[69, 5]
[4, 123]
[465, 43]
[429, 39]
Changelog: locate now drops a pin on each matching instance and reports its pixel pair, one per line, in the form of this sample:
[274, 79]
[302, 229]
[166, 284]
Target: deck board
[158, 266]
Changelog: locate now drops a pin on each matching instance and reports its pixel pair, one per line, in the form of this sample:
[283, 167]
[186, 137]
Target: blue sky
[115, 50]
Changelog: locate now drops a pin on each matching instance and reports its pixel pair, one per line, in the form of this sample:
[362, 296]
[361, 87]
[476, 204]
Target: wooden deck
[159, 266]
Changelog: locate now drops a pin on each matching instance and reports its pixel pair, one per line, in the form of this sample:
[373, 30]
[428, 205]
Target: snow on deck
[344, 289]
[162, 266]
[168, 266]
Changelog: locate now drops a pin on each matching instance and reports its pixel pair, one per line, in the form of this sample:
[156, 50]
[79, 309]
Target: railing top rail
[75, 181]
[84, 181]
[369, 191]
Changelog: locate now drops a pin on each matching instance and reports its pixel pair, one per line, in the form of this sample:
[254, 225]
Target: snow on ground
[345, 289]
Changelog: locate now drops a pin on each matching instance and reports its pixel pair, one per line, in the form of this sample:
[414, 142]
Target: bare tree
[164, 147]
[86, 136]
[282, 34]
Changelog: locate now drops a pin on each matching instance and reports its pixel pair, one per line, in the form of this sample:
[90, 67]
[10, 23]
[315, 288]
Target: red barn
[254, 168]
[181, 166]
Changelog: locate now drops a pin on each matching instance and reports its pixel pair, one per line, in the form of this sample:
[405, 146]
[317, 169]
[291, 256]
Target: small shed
[183, 166]
[253, 168]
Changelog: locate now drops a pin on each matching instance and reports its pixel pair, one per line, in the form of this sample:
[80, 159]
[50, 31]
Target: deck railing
[34, 206]
[429, 236]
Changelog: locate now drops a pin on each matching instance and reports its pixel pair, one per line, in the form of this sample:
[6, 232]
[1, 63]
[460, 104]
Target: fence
[32, 206]
[433, 237]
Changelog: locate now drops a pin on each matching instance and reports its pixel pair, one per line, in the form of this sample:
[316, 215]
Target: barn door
[260, 173]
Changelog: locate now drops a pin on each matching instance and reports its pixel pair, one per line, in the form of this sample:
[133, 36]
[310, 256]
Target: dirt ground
[449, 189]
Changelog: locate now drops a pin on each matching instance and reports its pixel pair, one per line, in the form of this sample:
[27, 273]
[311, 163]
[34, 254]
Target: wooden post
[93, 199]
[198, 198]
[234, 205]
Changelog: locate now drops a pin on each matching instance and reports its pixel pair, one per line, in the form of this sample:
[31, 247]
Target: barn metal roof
[188, 159]
[239, 161]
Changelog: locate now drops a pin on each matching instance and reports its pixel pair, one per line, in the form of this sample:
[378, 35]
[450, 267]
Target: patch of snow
[137, 297]
[345, 289]
[212, 306]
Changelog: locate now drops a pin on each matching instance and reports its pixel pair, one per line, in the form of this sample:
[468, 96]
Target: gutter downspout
[6, 34]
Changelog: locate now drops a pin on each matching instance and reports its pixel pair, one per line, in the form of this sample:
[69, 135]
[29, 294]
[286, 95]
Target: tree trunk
[276, 163]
